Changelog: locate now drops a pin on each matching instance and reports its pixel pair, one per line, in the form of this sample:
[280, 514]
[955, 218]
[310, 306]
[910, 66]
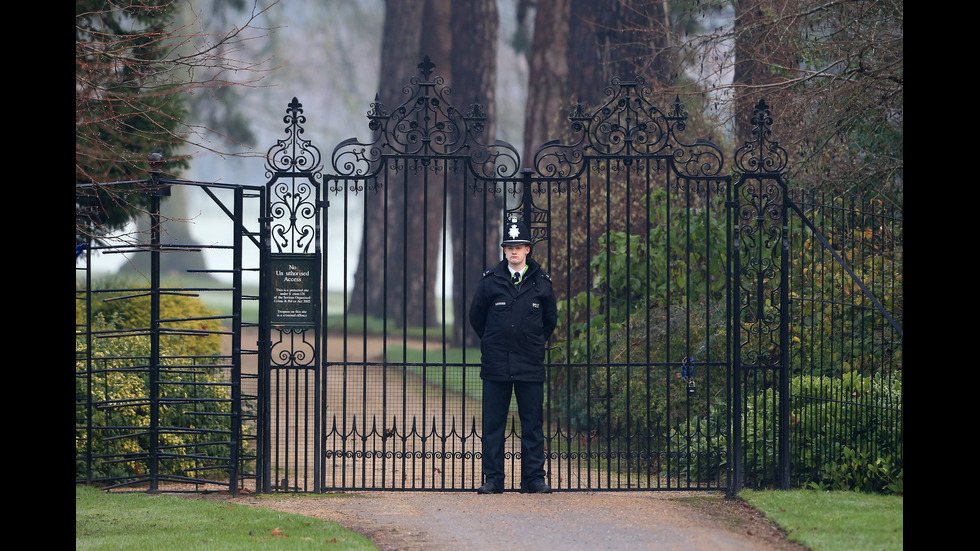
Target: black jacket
[514, 322]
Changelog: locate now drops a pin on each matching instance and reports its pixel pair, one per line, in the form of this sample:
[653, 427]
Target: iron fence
[162, 401]
[846, 394]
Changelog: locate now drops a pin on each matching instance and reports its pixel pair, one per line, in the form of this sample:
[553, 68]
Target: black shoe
[489, 488]
[536, 487]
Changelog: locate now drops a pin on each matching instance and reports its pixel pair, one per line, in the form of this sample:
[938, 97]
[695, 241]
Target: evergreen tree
[126, 105]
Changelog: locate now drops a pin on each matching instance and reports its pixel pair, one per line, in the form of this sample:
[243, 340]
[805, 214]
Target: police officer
[514, 313]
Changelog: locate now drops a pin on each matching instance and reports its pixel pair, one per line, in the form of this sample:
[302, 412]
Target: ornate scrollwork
[500, 160]
[760, 196]
[761, 154]
[425, 125]
[759, 237]
[293, 166]
[293, 349]
[628, 126]
[293, 154]
[702, 158]
[292, 209]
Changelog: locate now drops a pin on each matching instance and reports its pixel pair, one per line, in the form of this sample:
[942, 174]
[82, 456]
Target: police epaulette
[546, 275]
[486, 273]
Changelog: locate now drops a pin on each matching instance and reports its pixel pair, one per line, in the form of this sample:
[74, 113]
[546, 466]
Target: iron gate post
[236, 343]
[155, 191]
[735, 476]
[89, 406]
[783, 472]
[763, 161]
[291, 299]
[263, 346]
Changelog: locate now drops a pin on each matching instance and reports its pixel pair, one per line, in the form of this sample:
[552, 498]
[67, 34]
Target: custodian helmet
[516, 233]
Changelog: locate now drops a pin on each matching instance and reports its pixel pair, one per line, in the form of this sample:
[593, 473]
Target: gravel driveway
[563, 520]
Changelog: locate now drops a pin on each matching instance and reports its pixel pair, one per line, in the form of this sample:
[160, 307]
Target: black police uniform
[514, 322]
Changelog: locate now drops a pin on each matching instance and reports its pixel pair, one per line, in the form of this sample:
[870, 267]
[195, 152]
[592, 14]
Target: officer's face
[516, 254]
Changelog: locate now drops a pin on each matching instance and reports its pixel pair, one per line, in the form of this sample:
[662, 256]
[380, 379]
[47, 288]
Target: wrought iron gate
[670, 368]
[632, 220]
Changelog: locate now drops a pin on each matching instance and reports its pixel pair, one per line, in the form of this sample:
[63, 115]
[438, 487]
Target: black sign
[295, 283]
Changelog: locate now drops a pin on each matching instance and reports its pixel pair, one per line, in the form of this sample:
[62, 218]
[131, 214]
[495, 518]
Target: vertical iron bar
[648, 308]
[729, 313]
[154, 432]
[319, 365]
[588, 333]
[608, 327]
[89, 407]
[734, 294]
[238, 232]
[784, 319]
[264, 349]
[460, 319]
[627, 323]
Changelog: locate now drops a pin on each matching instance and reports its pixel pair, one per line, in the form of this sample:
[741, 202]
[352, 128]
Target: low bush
[118, 394]
[845, 433]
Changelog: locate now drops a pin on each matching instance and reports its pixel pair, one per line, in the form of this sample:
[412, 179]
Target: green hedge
[845, 433]
[194, 390]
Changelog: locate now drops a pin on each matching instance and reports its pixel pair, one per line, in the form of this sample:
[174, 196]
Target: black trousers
[530, 407]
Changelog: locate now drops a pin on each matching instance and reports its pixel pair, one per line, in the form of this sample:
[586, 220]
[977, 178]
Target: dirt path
[569, 521]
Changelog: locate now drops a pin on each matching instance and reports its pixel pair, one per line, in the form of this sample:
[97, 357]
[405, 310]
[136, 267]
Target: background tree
[125, 106]
[833, 73]
[460, 38]
[381, 250]
[475, 25]
[578, 47]
[133, 68]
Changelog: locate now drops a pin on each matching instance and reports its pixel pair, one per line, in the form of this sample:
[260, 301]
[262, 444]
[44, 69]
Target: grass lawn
[822, 521]
[832, 521]
[150, 522]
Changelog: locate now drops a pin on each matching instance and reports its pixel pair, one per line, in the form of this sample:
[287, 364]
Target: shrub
[194, 393]
[844, 433]
[654, 299]
[847, 432]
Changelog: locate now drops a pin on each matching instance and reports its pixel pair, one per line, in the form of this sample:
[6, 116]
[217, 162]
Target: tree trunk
[425, 194]
[578, 47]
[475, 217]
[383, 255]
[758, 48]
[547, 76]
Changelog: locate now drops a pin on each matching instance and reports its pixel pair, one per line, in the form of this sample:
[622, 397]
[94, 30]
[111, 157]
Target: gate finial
[761, 154]
[294, 154]
[426, 66]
